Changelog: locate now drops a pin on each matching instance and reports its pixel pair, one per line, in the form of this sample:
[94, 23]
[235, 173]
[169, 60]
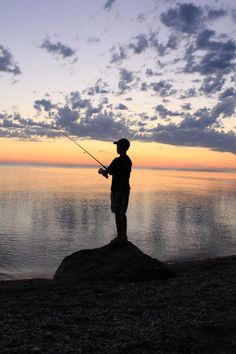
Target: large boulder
[123, 262]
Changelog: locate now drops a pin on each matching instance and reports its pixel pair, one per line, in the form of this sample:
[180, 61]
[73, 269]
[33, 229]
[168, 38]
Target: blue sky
[153, 71]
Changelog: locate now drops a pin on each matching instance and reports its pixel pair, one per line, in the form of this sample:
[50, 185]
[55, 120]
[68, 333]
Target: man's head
[122, 145]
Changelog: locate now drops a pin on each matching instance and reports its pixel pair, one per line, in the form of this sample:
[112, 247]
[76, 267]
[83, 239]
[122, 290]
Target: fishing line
[81, 147]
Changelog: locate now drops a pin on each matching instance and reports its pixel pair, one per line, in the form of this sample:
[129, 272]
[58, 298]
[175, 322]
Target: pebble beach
[193, 312]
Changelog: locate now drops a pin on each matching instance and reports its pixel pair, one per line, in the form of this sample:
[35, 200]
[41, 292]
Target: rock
[123, 262]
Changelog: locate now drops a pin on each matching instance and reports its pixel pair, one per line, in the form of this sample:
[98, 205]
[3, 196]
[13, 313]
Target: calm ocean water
[47, 213]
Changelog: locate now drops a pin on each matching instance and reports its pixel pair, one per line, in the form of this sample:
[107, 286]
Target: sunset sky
[160, 73]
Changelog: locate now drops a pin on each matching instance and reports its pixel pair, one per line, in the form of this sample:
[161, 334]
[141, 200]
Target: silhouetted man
[120, 169]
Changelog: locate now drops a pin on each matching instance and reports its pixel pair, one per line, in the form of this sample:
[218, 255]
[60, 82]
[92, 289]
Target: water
[47, 213]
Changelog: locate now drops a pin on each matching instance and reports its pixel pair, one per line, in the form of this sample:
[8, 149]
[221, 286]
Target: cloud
[141, 43]
[7, 121]
[78, 119]
[214, 14]
[200, 120]
[187, 106]
[144, 42]
[200, 129]
[121, 106]
[185, 18]
[212, 84]
[43, 104]
[104, 126]
[210, 57]
[118, 55]
[16, 126]
[78, 116]
[108, 4]
[144, 86]
[233, 14]
[58, 48]
[163, 87]
[188, 93]
[220, 58]
[126, 77]
[141, 18]
[100, 87]
[75, 100]
[84, 118]
[229, 92]
[226, 107]
[7, 63]
[155, 43]
[66, 116]
[178, 135]
[101, 126]
[93, 40]
[165, 113]
[172, 42]
[91, 110]
[210, 118]
[203, 38]
[149, 72]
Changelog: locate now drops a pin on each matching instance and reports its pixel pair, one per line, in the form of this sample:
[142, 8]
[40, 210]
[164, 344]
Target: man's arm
[110, 170]
[103, 172]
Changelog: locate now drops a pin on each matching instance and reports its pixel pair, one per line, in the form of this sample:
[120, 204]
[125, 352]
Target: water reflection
[47, 213]
[188, 220]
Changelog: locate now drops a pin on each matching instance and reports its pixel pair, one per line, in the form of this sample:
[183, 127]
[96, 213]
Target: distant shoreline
[58, 165]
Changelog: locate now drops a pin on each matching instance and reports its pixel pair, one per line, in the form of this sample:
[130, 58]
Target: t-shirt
[120, 169]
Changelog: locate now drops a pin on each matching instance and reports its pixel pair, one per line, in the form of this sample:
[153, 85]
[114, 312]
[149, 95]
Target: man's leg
[124, 226]
[121, 225]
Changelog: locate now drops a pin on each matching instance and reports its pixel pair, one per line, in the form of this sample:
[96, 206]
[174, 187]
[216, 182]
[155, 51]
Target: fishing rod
[81, 147]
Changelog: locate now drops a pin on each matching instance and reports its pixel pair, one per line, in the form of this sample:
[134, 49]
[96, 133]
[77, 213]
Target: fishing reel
[103, 172]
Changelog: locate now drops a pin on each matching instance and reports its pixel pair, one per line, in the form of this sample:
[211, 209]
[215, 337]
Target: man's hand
[103, 172]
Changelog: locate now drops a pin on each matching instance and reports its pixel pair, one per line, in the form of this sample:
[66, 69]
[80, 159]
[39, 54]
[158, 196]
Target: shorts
[119, 201]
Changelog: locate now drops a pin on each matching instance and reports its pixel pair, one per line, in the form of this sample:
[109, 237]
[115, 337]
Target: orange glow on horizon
[62, 151]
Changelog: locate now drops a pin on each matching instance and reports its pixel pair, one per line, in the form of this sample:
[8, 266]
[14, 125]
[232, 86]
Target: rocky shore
[193, 312]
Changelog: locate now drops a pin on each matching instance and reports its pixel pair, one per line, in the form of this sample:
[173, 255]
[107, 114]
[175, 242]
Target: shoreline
[177, 266]
[191, 313]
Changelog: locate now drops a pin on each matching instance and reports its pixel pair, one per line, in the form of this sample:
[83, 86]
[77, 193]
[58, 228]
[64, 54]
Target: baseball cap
[124, 143]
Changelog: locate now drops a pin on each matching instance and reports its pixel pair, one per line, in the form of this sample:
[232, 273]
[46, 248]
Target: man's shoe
[119, 240]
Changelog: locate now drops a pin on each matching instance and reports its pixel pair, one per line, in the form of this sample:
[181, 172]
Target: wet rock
[123, 262]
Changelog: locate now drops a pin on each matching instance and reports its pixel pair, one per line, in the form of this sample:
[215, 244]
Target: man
[120, 169]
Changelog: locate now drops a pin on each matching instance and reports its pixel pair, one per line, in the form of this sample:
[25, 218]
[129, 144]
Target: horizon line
[47, 164]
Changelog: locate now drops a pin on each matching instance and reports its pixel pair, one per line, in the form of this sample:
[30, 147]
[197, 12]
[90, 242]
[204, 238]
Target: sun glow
[154, 155]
